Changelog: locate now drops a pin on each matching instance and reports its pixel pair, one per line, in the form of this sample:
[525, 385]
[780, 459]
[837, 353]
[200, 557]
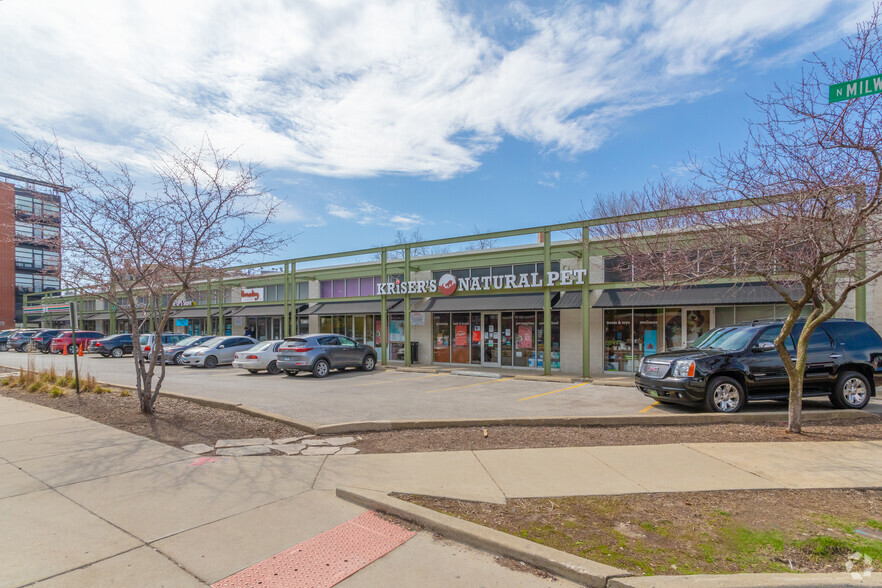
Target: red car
[65, 339]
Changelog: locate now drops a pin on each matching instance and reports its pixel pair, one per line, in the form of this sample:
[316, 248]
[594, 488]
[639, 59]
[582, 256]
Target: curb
[597, 421]
[560, 379]
[576, 569]
[774, 580]
[493, 375]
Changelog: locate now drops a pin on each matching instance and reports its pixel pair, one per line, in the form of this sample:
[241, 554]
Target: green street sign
[856, 88]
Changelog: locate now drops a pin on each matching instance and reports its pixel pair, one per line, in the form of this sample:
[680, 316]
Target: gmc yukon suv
[728, 367]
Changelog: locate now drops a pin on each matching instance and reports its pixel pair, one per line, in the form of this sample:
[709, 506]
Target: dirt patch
[697, 532]
[473, 438]
[175, 422]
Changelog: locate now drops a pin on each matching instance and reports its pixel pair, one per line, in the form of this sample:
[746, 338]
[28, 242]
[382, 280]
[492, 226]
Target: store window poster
[461, 335]
[650, 342]
[525, 337]
[476, 336]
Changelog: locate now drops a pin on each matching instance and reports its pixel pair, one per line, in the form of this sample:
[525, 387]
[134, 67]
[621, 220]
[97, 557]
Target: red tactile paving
[326, 559]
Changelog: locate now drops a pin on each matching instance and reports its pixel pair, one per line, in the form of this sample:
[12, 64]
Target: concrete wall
[571, 342]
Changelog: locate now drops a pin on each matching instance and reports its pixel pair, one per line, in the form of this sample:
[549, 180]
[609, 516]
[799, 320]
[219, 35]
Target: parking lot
[386, 394]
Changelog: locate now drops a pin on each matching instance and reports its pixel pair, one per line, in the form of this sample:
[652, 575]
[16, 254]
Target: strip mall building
[546, 306]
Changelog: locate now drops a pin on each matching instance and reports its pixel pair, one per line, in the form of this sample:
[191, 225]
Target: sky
[442, 117]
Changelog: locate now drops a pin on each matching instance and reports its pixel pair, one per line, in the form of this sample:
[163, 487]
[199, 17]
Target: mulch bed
[696, 532]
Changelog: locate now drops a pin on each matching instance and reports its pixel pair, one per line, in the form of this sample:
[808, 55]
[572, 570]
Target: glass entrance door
[698, 321]
[490, 340]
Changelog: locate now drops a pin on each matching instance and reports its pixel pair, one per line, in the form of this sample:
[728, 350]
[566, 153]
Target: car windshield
[212, 342]
[188, 341]
[725, 339]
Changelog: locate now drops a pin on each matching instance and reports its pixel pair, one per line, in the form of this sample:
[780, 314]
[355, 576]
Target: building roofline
[16, 178]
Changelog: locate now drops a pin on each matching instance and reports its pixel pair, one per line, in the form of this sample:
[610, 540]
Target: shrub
[55, 392]
[36, 387]
[124, 393]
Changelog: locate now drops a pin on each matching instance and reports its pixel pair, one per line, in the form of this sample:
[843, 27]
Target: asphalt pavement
[385, 395]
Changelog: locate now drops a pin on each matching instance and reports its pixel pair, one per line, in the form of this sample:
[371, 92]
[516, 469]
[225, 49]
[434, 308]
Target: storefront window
[756, 312]
[555, 340]
[507, 344]
[441, 338]
[476, 338]
[302, 325]
[396, 337]
[646, 332]
[461, 336]
[618, 340]
[525, 339]
[724, 316]
[673, 328]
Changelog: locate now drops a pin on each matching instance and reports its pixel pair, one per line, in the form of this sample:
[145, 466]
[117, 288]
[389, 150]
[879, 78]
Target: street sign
[72, 309]
[856, 88]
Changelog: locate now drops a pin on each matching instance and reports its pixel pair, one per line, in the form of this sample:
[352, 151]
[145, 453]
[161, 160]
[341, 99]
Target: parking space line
[656, 403]
[552, 392]
[468, 385]
[397, 380]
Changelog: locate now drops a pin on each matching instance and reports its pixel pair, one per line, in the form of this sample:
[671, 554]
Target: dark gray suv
[324, 352]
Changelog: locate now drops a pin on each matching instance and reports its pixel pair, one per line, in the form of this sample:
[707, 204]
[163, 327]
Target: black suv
[42, 339]
[726, 367]
[113, 346]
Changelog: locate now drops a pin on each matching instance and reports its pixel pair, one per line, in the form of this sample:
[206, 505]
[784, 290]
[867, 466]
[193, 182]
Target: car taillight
[146, 348]
[302, 349]
[250, 357]
[97, 344]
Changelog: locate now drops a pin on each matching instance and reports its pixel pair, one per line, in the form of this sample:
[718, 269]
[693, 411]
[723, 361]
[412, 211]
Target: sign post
[856, 88]
[73, 333]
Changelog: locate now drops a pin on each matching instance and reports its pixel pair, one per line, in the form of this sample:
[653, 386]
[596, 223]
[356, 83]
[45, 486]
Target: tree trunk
[794, 412]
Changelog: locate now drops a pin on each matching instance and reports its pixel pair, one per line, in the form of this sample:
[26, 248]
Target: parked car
[114, 345]
[41, 339]
[216, 351]
[262, 356]
[729, 366]
[20, 340]
[324, 352]
[168, 339]
[4, 337]
[65, 339]
[174, 353]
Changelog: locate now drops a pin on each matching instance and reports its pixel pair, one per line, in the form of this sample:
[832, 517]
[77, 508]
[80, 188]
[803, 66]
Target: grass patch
[55, 392]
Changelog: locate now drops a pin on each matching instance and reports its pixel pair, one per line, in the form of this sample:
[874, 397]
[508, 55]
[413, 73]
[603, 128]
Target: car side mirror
[220, 346]
[764, 346]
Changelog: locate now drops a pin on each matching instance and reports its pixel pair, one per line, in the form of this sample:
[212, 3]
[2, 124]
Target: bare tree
[798, 207]
[141, 251]
[401, 239]
[479, 244]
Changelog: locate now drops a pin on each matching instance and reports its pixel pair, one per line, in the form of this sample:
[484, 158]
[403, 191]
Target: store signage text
[448, 284]
[251, 294]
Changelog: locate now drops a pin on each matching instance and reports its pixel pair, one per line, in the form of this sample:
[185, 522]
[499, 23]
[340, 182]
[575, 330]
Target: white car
[262, 356]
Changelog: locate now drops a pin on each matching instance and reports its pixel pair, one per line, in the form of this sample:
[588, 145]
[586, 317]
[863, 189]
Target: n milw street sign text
[856, 88]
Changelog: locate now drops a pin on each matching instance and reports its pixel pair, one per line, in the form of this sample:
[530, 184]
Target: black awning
[189, 313]
[569, 300]
[354, 307]
[271, 310]
[709, 295]
[479, 303]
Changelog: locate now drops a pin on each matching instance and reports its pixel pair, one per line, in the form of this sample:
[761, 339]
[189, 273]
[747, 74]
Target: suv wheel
[369, 363]
[210, 362]
[321, 368]
[724, 394]
[116, 352]
[22, 348]
[3, 347]
[852, 391]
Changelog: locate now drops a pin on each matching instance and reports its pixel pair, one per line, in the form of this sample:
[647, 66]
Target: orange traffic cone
[65, 351]
[81, 351]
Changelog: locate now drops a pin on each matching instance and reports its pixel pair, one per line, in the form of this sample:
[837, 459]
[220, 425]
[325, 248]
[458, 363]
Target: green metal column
[286, 307]
[406, 308]
[383, 345]
[546, 306]
[292, 320]
[586, 306]
[221, 319]
[208, 321]
[79, 301]
[112, 319]
[24, 317]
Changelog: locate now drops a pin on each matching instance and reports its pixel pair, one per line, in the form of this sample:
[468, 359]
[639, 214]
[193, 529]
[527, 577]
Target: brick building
[30, 242]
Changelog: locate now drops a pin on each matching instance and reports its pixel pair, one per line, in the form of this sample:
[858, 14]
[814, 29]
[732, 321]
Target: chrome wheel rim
[179, 359]
[726, 397]
[854, 391]
[321, 369]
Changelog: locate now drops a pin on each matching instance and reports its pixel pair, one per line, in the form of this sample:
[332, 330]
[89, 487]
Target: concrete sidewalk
[85, 504]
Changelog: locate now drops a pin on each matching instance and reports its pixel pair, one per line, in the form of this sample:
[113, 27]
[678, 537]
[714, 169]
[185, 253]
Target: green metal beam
[407, 308]
[546, 306]
[586, 307]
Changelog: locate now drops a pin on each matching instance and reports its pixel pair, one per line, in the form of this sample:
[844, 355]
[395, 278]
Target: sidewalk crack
[501, 491]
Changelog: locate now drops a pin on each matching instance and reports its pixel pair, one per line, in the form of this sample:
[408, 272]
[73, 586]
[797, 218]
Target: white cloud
[365, 213]
[350, 88]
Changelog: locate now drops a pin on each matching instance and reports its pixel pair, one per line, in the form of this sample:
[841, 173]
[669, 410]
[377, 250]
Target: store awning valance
[265, 310]
[569, 300]
[479, 303]
[189, 313]
[709, 295]
[100, 316]
[354, 307]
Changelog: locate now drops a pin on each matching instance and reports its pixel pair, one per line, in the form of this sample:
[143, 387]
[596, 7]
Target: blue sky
[429, 115]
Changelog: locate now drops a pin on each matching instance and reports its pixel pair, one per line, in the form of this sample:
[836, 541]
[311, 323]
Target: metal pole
[546, 306]
[586, 306]
[407, 357]
[383, 279]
